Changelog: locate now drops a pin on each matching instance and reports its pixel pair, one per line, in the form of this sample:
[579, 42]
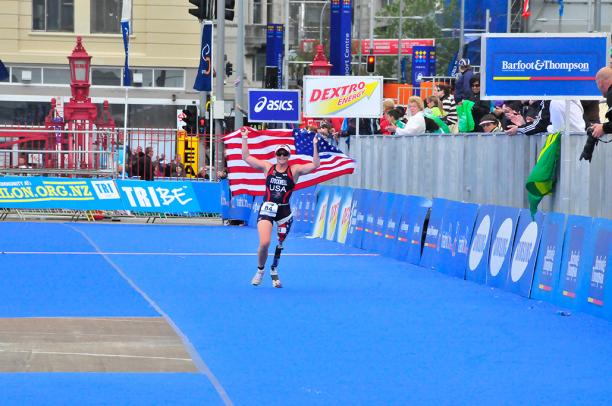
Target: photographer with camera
[604, 84]
[596, 131]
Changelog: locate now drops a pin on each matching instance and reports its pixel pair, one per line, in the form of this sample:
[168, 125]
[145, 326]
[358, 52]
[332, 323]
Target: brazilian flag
[541, 180]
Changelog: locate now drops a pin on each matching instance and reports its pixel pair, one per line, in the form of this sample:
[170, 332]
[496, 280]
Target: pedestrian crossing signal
[371, 64]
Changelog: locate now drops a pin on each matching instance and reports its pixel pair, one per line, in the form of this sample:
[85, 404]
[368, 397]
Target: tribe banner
[540, 66]
[340, 52]
[343, 96]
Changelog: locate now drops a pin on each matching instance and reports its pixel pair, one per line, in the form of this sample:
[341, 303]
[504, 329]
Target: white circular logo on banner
[479, 242]
[523, 251]
[261, 103]
[500, 247]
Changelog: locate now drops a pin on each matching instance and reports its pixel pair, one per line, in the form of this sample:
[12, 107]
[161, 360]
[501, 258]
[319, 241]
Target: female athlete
[281, 179]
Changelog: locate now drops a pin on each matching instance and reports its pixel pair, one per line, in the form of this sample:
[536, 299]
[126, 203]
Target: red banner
[389, 46]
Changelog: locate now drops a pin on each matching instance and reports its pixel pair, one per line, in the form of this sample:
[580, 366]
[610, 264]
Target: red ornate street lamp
[320, 66]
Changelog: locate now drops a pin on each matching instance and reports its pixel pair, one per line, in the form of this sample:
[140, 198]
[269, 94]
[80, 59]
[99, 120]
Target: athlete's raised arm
[246, 154]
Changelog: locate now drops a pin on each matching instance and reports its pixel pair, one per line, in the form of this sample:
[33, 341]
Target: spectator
[416, 122]
[604, 84]
[462, 87]
[325, 129]
[145, 165]
[136, 158]
[481, 107]
[558, 117]
[202, 174]
[539, 113]
[177, 167]
[394, 120]
[434, 106]
[22, 162]
[222, 174]
[490, 124]
[448, 105]
[388, 104]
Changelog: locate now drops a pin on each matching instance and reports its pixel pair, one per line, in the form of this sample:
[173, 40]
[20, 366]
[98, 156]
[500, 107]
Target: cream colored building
[36, 36]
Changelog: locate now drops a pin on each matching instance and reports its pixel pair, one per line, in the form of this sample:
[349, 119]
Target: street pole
[371, 27]
[509, 17]
[359, 53]
[399, 42]
[321, 22]
[285, 62]
[461, 30]
[597, 15]
[238, 120]
[220, 71]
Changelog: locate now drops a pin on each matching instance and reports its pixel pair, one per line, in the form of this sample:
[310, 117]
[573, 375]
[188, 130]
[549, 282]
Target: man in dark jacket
[604, 84]
[145, 165]
[462, 87]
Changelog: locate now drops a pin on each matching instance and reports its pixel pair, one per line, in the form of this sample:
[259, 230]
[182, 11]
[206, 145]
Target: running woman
[281, 179]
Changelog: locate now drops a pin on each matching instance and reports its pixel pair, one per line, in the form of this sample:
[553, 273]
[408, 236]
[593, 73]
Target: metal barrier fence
[482, 168]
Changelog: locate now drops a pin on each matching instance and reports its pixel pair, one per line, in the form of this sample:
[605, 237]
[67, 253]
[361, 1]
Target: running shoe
[257, 278]
[275, 281]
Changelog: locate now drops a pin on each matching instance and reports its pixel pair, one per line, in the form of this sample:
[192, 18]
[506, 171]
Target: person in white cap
[463, 88]
[281, 179]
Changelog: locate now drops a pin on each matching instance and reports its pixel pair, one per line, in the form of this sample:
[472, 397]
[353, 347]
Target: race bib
[268, 209]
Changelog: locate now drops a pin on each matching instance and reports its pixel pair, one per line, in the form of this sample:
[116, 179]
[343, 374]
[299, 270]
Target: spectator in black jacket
[145, 165]
[481, 107]
[604, 84]
[536, 121]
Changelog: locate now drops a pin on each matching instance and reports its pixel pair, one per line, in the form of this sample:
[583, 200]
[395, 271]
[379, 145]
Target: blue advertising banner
[322, 203]
[275, 49]
[455, 238]
[594, 286]
[309, 208]
[429, 258]
[297, 202]
[203, 80]
[392, 225]
[257, 201]
[371, 212]
[539, 66]
[410, 230]
[208, 194]
[502, 237]
[576, 232]
[355, 231]
[340, 51]
[59, 193]
[331, 223]
[478, 258]
[156, 197]
[524, 253]
[548, 264]
[384, 211]
[274, 106]
[423, 63]
[345, 215]
[240, 207]
[225, 198]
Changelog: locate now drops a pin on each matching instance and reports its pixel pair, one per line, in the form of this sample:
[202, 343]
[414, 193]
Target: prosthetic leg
[282, 230]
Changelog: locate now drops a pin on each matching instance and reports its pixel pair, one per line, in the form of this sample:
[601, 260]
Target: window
[53, 15]
[169, 78]
[19, 74]
[105, 16]
[147, 77]
[106, 76]
[257, 12]
[56, 76]
[259, 64]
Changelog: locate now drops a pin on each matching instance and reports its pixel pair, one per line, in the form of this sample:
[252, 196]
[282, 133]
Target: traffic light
[189, 118]
[229, 9]
[229, 69]
[200, 11]
[201, 125]
[371, 64]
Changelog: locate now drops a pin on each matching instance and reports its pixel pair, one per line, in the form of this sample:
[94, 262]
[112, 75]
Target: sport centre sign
[542, 66]
[343, 96]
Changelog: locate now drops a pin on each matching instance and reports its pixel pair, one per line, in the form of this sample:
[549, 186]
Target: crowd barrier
[479, 168]
[551, 257]
[176, 197]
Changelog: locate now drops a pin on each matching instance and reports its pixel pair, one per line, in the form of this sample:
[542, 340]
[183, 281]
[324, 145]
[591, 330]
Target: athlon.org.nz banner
[108, 194]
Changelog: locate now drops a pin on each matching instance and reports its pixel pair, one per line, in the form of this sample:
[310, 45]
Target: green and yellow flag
[541, 180]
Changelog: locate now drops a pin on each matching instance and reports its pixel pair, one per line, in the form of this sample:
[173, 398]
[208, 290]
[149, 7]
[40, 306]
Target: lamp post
[320, 66]
[79, 62]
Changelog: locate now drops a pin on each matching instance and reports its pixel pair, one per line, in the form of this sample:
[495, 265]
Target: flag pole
[126, 29]
[125, 117]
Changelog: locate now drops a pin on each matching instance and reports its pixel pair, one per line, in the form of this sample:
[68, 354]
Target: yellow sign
[188, 148]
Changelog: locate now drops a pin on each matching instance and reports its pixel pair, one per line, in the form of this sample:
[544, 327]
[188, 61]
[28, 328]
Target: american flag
[246, 180]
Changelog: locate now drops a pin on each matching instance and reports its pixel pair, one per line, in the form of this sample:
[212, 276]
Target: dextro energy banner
[343, 96]
[541, 66]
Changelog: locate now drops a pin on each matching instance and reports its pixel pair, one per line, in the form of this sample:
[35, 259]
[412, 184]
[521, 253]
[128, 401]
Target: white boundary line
[183, 254]
[191, 350]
